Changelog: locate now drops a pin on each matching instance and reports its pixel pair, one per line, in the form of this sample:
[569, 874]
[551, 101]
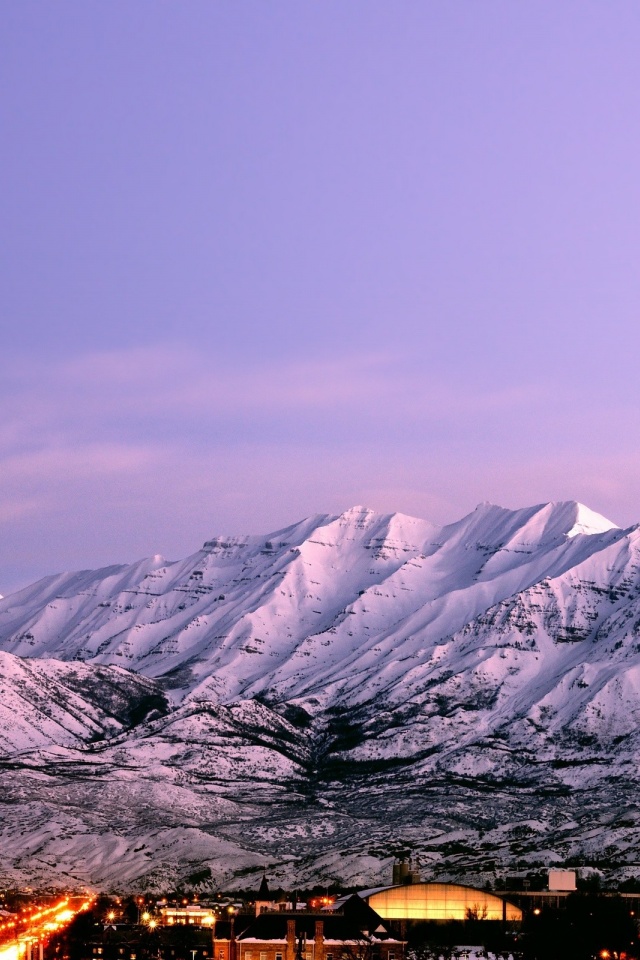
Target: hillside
[326, 697]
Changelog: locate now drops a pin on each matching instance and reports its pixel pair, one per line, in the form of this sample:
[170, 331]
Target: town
[541, 917]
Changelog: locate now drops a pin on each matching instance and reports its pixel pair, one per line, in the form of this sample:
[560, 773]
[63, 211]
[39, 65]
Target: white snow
[505, 645]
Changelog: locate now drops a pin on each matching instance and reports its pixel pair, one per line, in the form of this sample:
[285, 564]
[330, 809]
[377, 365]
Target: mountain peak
[359, 510]
[546, 521]
[585, 520]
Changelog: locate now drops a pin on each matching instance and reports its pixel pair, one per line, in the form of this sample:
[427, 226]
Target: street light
[214, 918]
[231, 910]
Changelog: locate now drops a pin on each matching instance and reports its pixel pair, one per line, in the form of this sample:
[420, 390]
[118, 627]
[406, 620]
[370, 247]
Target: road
[22, 932]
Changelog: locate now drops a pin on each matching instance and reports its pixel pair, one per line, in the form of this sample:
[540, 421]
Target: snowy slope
[54, 703]
[342, 691]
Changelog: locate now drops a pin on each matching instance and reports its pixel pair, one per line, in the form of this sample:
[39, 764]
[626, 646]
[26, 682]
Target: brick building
[357, 933]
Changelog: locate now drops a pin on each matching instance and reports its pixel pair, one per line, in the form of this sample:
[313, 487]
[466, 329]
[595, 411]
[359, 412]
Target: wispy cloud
[110, 456]
[142, 384]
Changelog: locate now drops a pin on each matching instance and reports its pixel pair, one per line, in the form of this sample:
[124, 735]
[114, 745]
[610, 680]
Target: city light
[34, 925]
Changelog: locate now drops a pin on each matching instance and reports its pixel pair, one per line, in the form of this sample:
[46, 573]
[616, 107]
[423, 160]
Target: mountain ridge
[352, 683]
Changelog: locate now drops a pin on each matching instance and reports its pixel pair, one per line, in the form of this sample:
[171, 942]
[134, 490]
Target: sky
[264, 260]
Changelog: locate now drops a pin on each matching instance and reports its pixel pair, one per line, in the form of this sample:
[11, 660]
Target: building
[357, 933]
[403, 872]
[564, 880]
[264, 901]
[439, 901]
[141, 942]
[191, 914]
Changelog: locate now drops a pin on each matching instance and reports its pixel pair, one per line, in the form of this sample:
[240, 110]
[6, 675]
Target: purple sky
[262, 260]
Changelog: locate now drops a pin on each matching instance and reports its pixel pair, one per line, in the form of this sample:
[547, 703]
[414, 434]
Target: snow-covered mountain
[327, 697]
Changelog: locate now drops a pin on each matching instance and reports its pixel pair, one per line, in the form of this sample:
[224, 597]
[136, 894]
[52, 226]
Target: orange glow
[35, 923]
[440, 901]
[9, 952]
